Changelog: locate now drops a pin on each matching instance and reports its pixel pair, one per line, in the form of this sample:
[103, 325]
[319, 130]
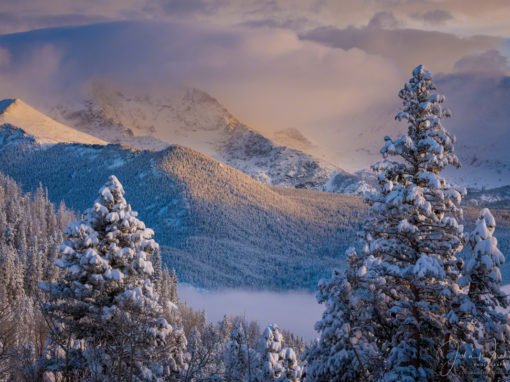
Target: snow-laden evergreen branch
[400, 297]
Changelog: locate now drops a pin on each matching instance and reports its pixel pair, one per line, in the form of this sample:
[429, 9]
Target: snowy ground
[294, 311]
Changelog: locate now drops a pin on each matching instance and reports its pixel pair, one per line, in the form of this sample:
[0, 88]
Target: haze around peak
[276, 67]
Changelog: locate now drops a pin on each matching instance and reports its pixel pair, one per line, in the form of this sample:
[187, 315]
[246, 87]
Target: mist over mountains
[263, 87]
[192, 118]
[217, 226]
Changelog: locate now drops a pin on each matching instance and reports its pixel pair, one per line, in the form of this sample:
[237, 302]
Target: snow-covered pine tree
[413, 231]
[12, 296]
[226, 326]
[11, 276]
[33, 269]
[269, 348]
[292, 371]
[297, 343]
[390, 317]
[236, 357]
[19, 314]
[486, 303]
[276, 363]
[30, 232]
[52, 250]
[347, 347]
[7, 336]
[168, 287]
[173, 286]
[157, 264]
[106, 298]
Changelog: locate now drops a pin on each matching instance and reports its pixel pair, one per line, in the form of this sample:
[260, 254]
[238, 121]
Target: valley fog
[294, 311]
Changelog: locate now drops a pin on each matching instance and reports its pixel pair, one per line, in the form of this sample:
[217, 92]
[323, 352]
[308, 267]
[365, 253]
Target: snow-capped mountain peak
[193, 118]
[42, 128]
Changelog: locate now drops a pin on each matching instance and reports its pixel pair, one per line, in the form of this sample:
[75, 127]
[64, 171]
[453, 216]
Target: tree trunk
[131, 361]
[415, 329]
[444, 366]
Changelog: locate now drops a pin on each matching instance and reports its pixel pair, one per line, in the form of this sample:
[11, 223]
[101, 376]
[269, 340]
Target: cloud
[383, 20]
[490, 61]
[294, 311]
[185, 7]
[479, 103]
[16, 23]
[291, 23]
[5, 58]
[30, 73]
[480, 115]
[405, 47]
[435, 17]
[337, 86]
[269, 77]
[469, 16]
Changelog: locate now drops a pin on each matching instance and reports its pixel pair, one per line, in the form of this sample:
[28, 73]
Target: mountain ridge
[246, 150]
[216, 225]
[44, 129]
[195, 119]
[235, 231]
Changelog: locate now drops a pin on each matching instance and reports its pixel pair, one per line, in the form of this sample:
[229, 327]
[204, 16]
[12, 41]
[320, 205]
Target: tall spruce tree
[409, 266]
[276, 363]
[106, 301]
[414, 230]
[269, 347]
[292, 370]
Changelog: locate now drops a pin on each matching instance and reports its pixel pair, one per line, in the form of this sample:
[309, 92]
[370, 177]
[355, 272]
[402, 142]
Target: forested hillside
[31, 231]
[217, 225]
[32, 234]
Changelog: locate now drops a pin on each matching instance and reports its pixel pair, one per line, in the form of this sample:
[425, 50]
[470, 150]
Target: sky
[331, 69]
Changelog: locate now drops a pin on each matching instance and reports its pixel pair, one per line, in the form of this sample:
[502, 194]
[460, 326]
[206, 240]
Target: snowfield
[45, 130]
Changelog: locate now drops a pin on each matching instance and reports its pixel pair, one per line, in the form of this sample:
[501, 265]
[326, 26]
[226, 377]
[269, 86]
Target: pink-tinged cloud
[269, 77]
[405, 47]
[337, 86]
